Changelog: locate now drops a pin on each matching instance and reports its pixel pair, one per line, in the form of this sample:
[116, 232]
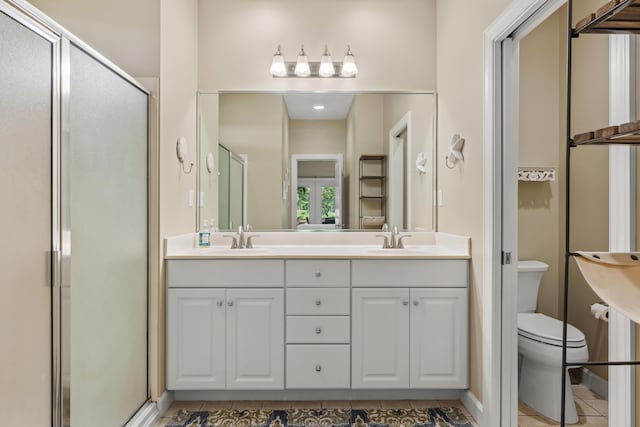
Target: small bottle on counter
[204, 236]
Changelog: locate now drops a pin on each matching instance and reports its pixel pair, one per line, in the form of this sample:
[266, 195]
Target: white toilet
[540, 349]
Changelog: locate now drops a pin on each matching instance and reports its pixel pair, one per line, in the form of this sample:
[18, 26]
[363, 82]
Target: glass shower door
[104, 199]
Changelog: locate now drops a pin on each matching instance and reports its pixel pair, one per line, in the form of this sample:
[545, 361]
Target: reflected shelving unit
[614, 17]
[373, 191]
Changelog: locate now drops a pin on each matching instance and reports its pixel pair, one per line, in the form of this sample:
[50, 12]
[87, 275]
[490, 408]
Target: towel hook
[181, 153]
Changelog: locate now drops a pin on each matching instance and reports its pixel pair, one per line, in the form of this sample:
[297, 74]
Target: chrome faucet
[238, 241]
[395, 241]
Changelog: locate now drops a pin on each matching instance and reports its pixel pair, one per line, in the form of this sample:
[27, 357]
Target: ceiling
[336, 105]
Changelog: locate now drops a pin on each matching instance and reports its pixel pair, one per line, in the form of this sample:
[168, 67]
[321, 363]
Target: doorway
[316, 201]
[398, 203]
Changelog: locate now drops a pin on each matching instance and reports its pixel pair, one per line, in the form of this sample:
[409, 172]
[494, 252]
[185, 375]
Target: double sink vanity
[329, 312]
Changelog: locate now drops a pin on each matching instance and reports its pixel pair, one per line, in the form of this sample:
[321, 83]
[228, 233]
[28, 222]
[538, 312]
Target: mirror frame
[434, 152]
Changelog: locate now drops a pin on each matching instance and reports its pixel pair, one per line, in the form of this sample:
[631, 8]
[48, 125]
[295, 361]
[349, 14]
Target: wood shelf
[614, 17]
[373, 177]
[627, 133]
[372, 197]
[373, 191]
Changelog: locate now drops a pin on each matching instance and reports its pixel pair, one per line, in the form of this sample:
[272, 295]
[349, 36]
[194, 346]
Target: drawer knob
[318, 330]
[405, 302]
[318, 273]
[416, 302]
[318, 301]
[219, 303]
[230, 303]
[318, 368]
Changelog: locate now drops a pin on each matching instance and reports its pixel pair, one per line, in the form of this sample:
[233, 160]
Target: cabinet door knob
[416, 302]
[318, 330]
[219, 303]
[318, 273]
[405, 302]
[318, 301]
[230, 303]
[318, 368]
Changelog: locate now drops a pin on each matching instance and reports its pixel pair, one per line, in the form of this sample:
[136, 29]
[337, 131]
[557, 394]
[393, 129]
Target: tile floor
[592, 411]
[342, 404]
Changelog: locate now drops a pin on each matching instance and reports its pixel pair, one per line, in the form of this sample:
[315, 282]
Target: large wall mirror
[316, 161]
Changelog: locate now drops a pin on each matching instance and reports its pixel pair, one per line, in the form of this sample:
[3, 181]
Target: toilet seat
[545, 329]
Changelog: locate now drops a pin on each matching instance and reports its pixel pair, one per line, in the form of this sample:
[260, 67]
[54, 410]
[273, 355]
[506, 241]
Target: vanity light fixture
[325, 68]
[349, 68]
[326, 64]
[302, 64]
[278, 67]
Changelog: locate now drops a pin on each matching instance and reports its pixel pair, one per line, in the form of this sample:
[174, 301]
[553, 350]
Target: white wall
[208, 143]
[393, 41]
[318, 136]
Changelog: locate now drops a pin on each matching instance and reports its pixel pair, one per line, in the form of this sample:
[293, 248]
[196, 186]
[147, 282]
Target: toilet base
[539, 387]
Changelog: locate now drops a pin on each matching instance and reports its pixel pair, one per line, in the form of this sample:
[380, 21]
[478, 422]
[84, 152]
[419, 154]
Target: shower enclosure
[74, 263]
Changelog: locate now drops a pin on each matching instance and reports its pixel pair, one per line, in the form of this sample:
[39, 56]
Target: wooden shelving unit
[614, 17]
[373, 191]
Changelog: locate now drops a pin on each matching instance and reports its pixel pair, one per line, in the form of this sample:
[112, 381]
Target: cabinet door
[195, 339]
[380, 338]
[439, 343]
[255, 339]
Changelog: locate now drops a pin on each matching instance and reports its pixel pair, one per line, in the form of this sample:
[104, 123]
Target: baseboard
[164, 401]
[316, 394]
[145, 417]
[473, 405]
[595, 383]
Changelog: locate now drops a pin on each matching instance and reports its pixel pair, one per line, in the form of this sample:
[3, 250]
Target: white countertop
[349, 245]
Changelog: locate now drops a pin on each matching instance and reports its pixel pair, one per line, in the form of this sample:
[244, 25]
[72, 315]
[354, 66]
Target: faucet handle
[234, 241]
[385, 227]
[385, 243]
[249, 244]
[248, 227]
[399, 244]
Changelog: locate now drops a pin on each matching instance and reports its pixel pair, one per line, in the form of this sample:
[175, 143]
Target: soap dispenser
[204, 236]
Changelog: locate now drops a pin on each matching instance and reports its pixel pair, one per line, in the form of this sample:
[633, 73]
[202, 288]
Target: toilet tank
[529, 276]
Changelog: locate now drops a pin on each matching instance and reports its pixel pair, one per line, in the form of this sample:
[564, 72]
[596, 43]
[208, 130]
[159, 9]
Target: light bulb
[302, 65]
[349, 68]
[278, 67]
[326, 64]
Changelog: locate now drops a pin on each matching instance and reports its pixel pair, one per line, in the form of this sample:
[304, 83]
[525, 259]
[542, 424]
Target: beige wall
[541, 205]
[178, 86]
[208, 143]
[383, 35]
[459, 63]
[364, 136]
[251, 124]
[286, 165]
[108, 26]
[318, 136]
[422, 140]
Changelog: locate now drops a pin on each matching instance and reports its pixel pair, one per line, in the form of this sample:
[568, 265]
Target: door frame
[401, 126]
[294, 184]
[501, 74]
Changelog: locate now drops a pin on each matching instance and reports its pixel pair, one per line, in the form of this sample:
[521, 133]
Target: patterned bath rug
[432, 417]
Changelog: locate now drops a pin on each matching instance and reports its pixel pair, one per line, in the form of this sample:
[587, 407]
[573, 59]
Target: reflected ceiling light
[318, 107]
[302, 64]
[278, 67]
[349, 68]
[325, 68]
[326, 64]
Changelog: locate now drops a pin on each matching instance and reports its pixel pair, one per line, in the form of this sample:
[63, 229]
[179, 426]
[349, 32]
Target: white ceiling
[336, 105]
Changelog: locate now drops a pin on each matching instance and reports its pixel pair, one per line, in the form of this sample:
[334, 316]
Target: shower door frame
[61, 39]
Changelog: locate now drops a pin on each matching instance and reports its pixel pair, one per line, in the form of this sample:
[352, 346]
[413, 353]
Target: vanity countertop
[348, 245]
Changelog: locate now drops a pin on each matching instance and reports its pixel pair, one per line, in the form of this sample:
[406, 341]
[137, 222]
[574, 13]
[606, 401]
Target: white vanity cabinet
[225, 337]
[406, 335]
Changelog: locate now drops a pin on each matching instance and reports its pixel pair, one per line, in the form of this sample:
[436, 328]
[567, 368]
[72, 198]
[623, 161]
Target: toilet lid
[540, 327]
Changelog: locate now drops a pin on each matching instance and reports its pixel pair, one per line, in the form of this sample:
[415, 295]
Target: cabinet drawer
[258, 273]
[318, 366]
[317, 329]
[436, 273]
[317, 301]
[330, 273]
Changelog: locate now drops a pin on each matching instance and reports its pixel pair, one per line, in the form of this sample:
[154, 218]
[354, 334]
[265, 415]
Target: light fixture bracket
[315, 68]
